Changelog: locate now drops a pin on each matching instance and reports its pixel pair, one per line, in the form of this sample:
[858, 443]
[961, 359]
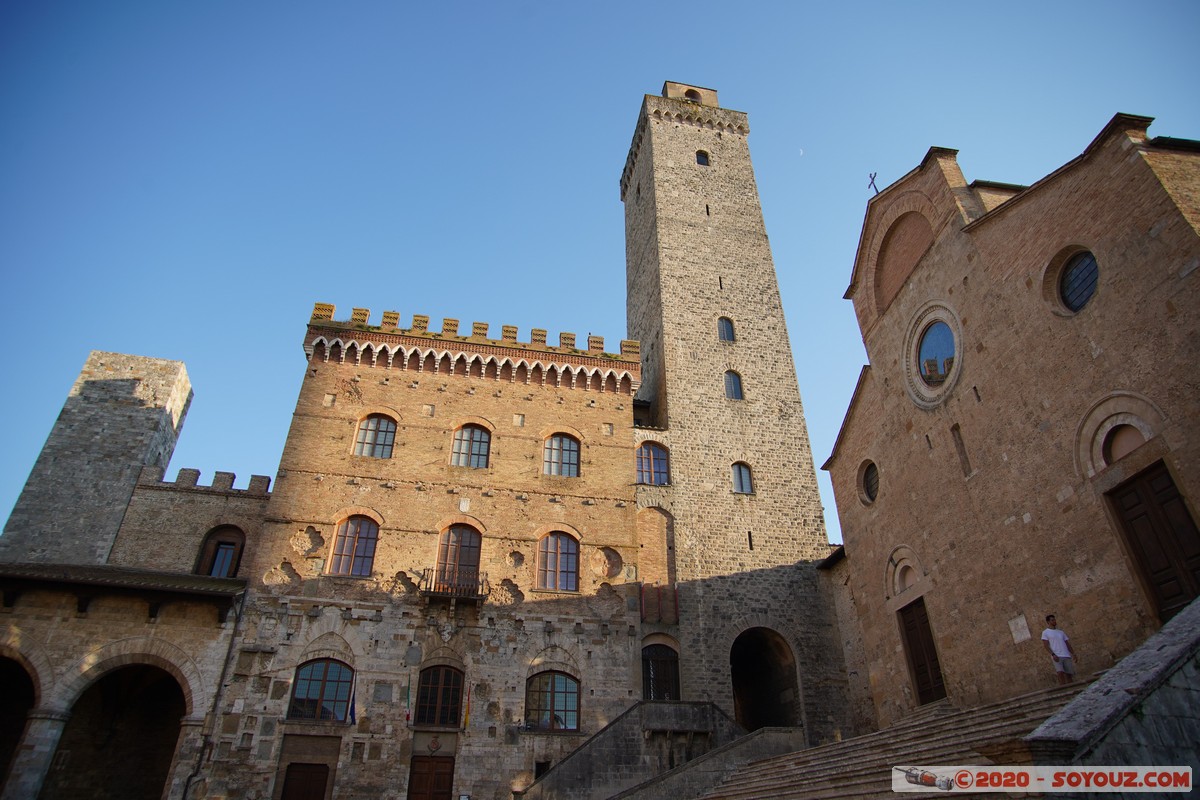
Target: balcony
[454, 584]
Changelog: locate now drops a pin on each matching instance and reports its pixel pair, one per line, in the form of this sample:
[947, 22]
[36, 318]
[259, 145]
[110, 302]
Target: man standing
[1058, 645]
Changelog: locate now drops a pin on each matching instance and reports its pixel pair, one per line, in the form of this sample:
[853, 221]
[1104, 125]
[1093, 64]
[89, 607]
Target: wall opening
[15, 701]
[1162, 536]
[922, 653]
[765, 690]
[120, 740]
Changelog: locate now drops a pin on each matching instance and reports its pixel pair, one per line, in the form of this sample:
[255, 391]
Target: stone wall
[645, 741]
[124, 412]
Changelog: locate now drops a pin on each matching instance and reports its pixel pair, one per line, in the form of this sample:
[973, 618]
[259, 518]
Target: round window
[1077, 283]
[932, 355]
[935, 354]
[868, 482]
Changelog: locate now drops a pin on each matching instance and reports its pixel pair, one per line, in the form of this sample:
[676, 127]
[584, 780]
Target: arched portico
[765, 688]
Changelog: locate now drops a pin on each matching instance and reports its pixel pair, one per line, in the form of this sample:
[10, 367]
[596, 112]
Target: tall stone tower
[123, 413]
[740, 507]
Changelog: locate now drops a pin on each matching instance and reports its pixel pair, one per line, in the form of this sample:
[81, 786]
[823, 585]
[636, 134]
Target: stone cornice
[681, 112]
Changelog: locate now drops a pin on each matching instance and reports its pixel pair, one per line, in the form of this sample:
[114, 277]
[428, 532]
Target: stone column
[188, 749]
[31, 762]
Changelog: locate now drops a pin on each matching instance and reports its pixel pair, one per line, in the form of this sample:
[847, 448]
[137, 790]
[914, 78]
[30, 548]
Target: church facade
[1024, 440]
[479, 549]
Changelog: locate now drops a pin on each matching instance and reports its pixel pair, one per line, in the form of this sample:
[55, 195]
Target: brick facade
[995, 501]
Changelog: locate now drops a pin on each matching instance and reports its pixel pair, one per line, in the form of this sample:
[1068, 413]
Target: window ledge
[425, 728]
[568, 592]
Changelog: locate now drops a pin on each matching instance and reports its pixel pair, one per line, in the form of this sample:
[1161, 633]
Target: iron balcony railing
[469, 584]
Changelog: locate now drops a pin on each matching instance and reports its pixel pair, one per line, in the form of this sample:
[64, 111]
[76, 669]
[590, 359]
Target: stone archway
[16, 699]
[765, 689]
[120, 740]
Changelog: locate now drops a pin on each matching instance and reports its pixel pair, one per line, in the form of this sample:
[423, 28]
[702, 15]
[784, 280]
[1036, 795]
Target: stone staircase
[862, 767]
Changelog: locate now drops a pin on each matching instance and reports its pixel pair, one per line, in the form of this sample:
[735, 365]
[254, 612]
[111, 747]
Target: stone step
[861, 767]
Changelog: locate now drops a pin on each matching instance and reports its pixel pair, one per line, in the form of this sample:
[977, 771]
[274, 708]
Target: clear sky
[185, 179]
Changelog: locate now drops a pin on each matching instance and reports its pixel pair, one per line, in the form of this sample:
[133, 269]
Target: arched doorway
[16, 698]
[120, 740]
[765, 692]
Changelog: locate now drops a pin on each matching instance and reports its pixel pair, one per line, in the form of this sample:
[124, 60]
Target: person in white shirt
[1058, 645]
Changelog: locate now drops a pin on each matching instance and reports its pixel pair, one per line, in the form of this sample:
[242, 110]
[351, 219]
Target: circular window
[935, 354]
[932, 363]
[868, 482]
[1077, 283]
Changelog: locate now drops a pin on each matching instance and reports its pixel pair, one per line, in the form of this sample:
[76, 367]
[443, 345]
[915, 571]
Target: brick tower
[739, 505]
[123, 413]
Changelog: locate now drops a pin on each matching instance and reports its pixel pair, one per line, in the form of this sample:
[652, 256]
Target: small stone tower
[740, 508]
[123, 413]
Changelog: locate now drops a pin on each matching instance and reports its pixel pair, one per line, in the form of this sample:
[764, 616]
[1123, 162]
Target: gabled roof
[862, 377]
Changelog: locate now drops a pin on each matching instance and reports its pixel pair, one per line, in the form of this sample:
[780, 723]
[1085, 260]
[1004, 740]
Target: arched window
[743, 483]
[221, 552]
[376, 434]
[733, 385]
[322, 691]
[561, 456]
[472, 444]
[552, 702]
[354, 548]
[660, 673]
[702, 158]
[652, 464]
[558, 563]
[458, 561]
[439, 696]
[725, 330]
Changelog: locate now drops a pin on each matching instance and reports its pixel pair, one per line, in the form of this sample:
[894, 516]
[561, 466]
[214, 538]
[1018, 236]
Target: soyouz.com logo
[1042, 779]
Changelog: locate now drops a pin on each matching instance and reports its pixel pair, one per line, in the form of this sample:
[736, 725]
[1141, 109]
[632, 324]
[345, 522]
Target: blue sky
[185, 180]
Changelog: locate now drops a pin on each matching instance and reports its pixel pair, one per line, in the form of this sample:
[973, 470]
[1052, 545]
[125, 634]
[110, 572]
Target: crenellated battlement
[222, 482]
[388, 346]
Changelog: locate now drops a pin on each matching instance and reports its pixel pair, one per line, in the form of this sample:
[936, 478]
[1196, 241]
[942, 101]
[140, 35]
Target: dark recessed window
[561, 456]
[472, 443]
[652, 465]
[660, 673]
[733, 385]
[558, 563]
[702, 158]
[725, 329]
[743, 481]
[221, 552]
[935, 354]
[376, 434]
[1077, 283]
[321, 691]
[552, 702]
[354, 548]
[870, 482]
[439, 696]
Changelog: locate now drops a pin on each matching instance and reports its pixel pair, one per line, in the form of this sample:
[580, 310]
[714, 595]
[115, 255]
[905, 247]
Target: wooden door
[1163, 537]
[431, 778]
[922, 655]
[305, 782]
